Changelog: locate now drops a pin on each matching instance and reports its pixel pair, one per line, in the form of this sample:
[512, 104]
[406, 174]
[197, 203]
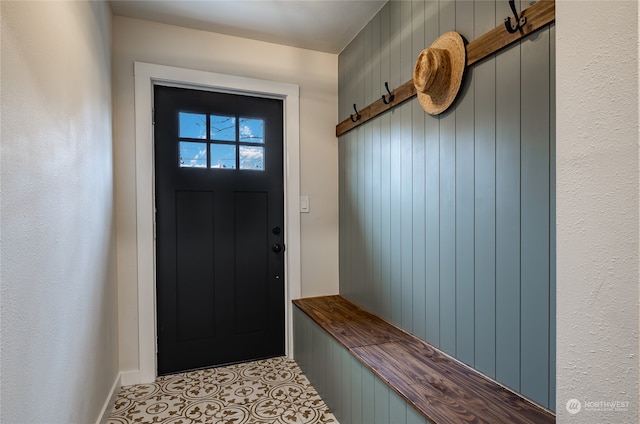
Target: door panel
[194, 230]
[219, 194]
[252, 260]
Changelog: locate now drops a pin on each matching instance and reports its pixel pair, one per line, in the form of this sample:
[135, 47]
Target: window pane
[223, 128]
[251, 130]
[223, 156]
[192, 125]
[193, 155]
[252, 157]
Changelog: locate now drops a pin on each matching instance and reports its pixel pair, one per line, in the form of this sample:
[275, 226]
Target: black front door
[219, 228]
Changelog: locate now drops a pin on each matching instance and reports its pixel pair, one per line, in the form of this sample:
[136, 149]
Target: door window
[232, 142]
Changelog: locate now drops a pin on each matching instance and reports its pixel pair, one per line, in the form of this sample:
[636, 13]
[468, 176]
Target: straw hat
[438, 72]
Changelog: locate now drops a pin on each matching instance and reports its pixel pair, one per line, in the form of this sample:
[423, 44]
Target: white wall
[314, 72]
[59, 303]
[597, 209]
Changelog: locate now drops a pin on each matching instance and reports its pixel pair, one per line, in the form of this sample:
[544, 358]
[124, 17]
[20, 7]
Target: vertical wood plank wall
[447, 223]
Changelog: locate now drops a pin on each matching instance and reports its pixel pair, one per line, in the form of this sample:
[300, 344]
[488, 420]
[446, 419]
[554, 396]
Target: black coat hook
[391, 96]
[518, 20]
[357, 114]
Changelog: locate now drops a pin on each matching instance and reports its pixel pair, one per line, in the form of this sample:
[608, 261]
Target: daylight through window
[220, 141]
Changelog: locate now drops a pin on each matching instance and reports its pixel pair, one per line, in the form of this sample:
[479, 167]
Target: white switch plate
[304, 204]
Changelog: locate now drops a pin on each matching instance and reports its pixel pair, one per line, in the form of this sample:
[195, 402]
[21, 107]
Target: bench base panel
[354, 394]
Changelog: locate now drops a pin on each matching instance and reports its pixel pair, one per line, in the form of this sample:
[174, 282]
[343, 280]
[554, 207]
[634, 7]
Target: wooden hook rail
[535, 18]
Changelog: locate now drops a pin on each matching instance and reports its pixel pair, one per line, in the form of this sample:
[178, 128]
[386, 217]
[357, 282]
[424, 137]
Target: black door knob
[276, 248]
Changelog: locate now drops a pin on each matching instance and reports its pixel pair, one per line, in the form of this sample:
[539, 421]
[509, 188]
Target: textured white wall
[597, 209]
[314, 72]
[59, 302]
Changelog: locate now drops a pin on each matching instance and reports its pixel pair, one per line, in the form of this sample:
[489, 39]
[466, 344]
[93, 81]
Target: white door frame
[146, 76]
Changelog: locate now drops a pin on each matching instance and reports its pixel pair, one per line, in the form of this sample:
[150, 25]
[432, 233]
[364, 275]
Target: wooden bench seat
[440, 388]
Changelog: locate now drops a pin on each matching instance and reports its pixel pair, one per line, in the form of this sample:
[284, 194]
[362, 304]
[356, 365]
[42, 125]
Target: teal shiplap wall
[447, 223]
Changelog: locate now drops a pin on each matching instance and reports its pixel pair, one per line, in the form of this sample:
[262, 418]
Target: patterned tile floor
[268, 391]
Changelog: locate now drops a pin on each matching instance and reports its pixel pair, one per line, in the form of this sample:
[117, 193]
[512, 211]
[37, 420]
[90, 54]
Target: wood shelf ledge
[439, 387]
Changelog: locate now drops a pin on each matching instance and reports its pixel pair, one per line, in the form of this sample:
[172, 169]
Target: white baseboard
[110, 401]
[128, 378]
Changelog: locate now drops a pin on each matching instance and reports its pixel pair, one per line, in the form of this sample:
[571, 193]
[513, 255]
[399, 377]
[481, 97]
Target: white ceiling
[323, 25]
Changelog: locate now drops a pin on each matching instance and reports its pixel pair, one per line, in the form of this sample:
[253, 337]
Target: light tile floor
[268, 391]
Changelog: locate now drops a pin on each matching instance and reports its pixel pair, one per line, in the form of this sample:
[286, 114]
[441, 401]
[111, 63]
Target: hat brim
[454, 44]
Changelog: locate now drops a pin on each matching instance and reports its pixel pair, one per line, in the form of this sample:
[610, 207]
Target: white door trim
[146, 75]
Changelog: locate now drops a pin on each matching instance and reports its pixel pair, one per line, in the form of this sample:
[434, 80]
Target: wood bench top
[441, 388]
